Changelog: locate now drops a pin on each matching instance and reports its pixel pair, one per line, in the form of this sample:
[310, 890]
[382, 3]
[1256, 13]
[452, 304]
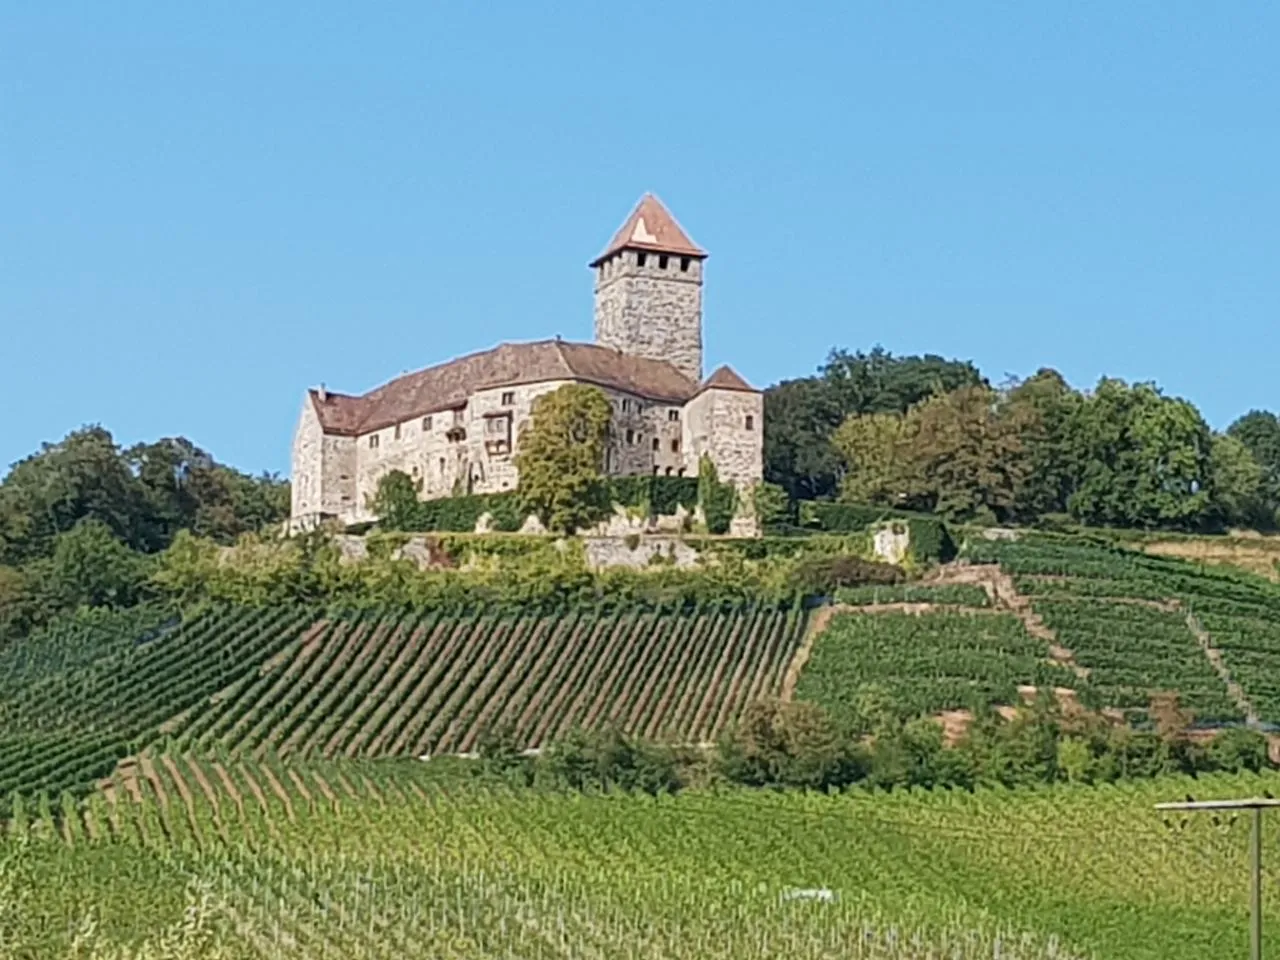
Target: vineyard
[396, 686]
[1136, 623]
[357, 859]
[928, 662]
[286, 681]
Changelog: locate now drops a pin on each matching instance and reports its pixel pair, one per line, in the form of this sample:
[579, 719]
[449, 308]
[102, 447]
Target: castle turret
[648, 290]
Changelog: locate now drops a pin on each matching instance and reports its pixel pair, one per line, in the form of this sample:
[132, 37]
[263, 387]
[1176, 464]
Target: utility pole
[1256, 806]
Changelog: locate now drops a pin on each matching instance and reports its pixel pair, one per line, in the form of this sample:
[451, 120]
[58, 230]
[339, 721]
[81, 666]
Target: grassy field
[358, 859]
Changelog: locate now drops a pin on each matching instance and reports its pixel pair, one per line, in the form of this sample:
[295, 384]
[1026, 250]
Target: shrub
[779, 744]
[609, 758]
[718, 500]
[821, 576]
[1238, 749]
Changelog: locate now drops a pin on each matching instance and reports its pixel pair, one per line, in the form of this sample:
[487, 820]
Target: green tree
[92, 567]
[957, 453]
[1041, 410]
[718, 500]
[875, 450]
[1238, 498]
[560, 457]
[1259, 431]
[1141, 459]
[967, 454]
[82, 476]
[801, 415]
[396, 503]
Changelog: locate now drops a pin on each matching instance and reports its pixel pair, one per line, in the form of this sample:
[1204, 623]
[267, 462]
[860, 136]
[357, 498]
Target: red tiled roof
[448, 385]
[726, 378]
[651, 227]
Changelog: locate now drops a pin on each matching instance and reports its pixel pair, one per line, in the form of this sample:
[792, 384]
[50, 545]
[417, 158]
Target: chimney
[323, 394]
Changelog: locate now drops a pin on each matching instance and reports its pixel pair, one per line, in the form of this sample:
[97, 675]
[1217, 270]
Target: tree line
[81, 519]
[930, 434]
[798, 745]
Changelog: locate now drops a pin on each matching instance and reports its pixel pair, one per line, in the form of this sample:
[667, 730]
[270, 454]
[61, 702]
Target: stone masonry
[454, 427]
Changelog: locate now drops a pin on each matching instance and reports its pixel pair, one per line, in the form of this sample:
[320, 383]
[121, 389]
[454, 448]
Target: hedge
[930, 538]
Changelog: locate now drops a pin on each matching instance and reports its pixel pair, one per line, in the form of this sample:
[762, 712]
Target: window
[655, 444]
[442, 466]
[662, 262]
[397, 431]
[508, 398]
[426, 424]
[680, 472]
[751, 422]
[675, 446]
[684, 264]
[641, 258]
[416, 471]
[655, 469]
[669, 471]
[373, 441]
[631, 436]
[673, 415]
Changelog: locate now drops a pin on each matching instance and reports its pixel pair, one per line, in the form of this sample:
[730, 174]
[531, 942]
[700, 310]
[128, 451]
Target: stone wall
[728, 426]
[652, 309]
[638, 553]
[473, 447]
[323, 475]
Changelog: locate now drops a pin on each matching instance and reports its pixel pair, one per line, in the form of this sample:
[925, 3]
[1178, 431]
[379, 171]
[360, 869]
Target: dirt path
[184, 794]
[325, 789]
[278, 789]
[1214, 656]
[1005, 596]
[820, 620]
[229, 785]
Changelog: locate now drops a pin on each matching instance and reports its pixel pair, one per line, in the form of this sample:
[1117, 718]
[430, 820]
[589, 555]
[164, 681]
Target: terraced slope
[1138, 623]
[357, 859]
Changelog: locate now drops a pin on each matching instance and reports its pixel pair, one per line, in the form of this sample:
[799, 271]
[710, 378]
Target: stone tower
[648, 286]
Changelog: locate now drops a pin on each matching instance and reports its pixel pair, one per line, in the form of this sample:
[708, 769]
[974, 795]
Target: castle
[454, 427]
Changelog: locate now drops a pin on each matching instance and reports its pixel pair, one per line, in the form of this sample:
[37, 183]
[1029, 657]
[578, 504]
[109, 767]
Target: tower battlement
[648, 290]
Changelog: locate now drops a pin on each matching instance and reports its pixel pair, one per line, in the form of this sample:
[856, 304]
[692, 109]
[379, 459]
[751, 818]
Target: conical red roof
[726, 378]
[651, 227]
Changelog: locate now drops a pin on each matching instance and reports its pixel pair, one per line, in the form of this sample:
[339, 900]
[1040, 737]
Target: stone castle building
[454, 427]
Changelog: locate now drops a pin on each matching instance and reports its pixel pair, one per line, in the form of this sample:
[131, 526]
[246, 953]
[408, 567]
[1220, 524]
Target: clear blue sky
[206, 208]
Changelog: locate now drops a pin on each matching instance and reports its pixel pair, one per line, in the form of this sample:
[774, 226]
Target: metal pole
[1255, 855]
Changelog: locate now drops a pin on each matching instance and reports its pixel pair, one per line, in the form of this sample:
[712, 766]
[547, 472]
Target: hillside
[1109, 624]
[359, 859]
[1105, 626]
[260, 762]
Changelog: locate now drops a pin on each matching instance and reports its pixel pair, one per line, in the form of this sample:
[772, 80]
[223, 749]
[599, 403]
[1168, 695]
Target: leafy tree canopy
[561, 455]
[801, 415]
